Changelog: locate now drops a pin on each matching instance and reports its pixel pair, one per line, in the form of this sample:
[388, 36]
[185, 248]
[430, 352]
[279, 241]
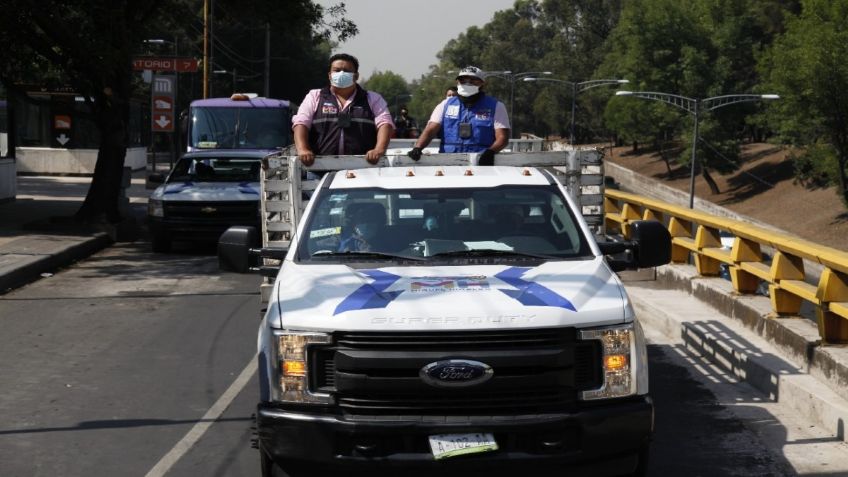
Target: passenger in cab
[469, 122]
[364, 226]
[342, 118]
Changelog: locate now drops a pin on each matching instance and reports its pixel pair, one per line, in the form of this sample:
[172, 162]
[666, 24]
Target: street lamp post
[695, 106]
[578, 87]
[512, 78]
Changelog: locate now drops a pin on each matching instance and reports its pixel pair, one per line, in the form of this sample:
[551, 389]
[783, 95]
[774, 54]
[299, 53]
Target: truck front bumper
[598, 440]
[182, 229]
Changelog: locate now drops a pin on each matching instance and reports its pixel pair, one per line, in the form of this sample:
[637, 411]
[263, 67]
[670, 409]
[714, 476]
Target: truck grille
[534, 371]
[236, 212]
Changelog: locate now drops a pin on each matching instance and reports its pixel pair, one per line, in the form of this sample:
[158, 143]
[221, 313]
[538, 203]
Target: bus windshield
[239, 128]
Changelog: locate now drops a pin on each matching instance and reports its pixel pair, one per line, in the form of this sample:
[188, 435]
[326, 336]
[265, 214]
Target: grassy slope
[763, 189]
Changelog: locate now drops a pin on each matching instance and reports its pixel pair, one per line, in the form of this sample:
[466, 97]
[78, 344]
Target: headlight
[155, 208]
[291, 370]
[624, 361]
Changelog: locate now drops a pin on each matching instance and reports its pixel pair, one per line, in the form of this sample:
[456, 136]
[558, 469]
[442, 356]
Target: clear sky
[404, 35]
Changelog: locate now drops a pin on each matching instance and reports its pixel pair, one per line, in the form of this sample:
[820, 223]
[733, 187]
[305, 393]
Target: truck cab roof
[433, 177]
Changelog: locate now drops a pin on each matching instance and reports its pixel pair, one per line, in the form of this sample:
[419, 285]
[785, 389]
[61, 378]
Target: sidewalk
[781, 357]
[37, 231]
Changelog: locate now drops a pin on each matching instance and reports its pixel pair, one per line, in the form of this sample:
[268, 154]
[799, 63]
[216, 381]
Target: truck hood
[207, 191]
[555, 294]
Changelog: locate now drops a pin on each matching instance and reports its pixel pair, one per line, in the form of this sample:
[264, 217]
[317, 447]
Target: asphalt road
[131, 363]
[107, 365]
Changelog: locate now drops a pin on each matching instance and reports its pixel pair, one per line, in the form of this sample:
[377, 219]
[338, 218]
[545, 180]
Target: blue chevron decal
[530, 293]
[372, 295]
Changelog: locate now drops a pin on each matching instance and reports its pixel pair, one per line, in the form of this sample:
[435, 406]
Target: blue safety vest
[481, 115]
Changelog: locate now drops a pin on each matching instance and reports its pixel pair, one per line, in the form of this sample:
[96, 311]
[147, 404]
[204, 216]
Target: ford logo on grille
[452, 373]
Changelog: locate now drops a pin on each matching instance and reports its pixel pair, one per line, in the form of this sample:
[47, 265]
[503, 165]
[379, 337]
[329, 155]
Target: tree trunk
[705, 173]
[842, 159]
[101, 202]
[665, 158]
[667, 164]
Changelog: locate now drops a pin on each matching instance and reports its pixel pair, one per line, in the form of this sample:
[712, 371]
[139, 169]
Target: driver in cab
[365, 226]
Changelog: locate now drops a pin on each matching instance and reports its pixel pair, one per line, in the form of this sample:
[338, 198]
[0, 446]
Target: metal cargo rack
[286, 184]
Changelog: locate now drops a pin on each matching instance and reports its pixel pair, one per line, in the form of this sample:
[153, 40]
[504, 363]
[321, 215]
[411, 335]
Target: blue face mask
[341, 79]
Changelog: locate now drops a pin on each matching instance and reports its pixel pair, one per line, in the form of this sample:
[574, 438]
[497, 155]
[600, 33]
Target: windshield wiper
[489, 252]
[358, 254]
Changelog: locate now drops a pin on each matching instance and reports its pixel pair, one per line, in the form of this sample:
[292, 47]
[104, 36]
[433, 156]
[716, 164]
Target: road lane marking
[190, 439]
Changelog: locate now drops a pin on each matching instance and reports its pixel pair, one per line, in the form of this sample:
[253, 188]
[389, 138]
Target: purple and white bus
[242, 121]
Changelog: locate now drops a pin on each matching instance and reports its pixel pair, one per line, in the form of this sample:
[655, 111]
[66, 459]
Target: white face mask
[467, 90]
[341, 79]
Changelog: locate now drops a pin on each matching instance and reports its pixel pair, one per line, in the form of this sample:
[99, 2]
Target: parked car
[205, 193]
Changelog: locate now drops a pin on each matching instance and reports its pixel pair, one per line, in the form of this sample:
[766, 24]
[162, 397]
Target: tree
[511, 42]
[429, 90]
[300, 45]
[807, 67]
[565, 37]
[700, 49]
[578, 31]
[89, 44]
[391, 86]
[656, 45]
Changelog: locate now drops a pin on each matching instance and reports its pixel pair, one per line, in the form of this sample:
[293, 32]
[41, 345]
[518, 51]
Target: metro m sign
[179, 65]
[164, 85]
[162, 103]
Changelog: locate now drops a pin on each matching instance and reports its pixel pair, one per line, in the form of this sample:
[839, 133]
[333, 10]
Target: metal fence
[698, 235]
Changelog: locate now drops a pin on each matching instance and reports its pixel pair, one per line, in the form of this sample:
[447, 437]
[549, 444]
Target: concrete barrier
[46, 160]
[781, 357]
[696, 236]
[8, 182]
[643, 185]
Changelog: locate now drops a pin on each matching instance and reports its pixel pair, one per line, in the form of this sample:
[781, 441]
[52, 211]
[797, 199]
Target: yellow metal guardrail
[783, 271]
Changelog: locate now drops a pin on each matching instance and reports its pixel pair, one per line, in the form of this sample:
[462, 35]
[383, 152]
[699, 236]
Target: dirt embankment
[763, 188]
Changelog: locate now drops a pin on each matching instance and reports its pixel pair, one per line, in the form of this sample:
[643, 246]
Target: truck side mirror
[156, 178]
[649, 246]
[653, 243]
[234, 248]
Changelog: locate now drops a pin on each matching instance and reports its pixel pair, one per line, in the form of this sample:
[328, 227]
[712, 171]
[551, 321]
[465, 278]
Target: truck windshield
[216, 169]
[239, 128]
[530, 221]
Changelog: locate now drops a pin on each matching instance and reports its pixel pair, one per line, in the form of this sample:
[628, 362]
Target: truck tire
[642, 467]
[269, 467]
[161, 242]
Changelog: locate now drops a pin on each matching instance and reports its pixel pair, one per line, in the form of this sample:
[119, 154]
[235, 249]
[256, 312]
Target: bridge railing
[699, 234]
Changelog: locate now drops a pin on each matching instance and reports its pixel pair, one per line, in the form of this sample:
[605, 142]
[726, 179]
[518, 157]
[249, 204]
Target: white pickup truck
[446, 316]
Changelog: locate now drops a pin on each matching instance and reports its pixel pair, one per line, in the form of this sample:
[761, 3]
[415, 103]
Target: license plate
[452, 445]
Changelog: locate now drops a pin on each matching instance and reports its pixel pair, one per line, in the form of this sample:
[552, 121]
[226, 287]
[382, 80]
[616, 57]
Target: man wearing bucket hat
[472, 121]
